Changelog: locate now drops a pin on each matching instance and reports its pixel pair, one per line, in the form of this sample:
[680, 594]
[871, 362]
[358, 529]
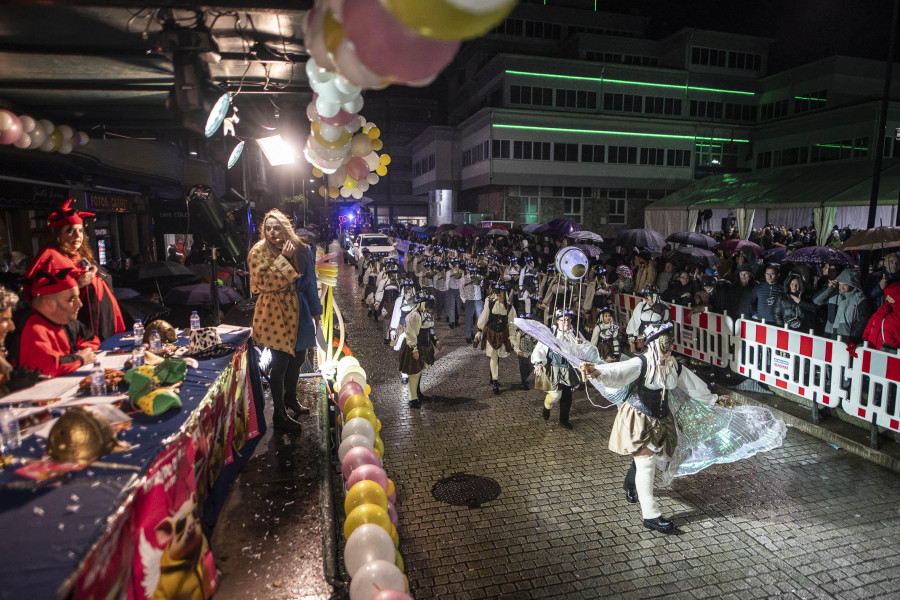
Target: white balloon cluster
[342, 144]
[27, 133]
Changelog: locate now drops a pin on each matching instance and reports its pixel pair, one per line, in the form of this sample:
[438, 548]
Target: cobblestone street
[806, 520]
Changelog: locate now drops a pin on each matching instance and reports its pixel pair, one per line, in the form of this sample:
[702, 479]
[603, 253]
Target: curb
[863, 450]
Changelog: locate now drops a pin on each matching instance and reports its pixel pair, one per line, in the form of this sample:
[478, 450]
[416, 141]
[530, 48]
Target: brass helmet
[165, 330]
[80, 436]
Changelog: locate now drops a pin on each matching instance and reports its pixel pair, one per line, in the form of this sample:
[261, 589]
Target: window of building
[740, 112]
[617, 210]
[622, 155]
[500, 149]
[622, 102]
[662, 106]
[716, 154]
[572, 209]
[593, 153]
[527, 150]
[861, 147]
[653, 156]
[810, 101]
[565, 152]
[763, 160]
[530, 95]
[704, 109]
[714, 57]
[530, 209]
[678, 158]
[773, 110]
[576, 99]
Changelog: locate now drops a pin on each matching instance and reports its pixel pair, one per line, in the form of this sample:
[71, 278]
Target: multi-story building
[576, 114]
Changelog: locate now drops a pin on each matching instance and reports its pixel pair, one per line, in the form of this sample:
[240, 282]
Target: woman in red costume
[883, 329]
[67, 249]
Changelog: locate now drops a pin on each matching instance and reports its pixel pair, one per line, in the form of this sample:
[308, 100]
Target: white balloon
[358, 426]
[331, 133]
[345, 87]
[46, 126]
[353, 441]
[48, 145]
[362, 186]
[37, 138]
[311, 112]
[356, 193]
[351, 68]
[329, 92]
[345, 192]
[368, 542]
[28, 123]
[354, 106]
[375, 576]
[6, 121]
[373, 161]
[372, 178]
[23, 142]
[65, 147]
[83, 138]
[66, 131]
[315, 73]
[479, 7]
[327, 109]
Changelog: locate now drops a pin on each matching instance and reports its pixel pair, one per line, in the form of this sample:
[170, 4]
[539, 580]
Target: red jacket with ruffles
[884, 326]
[50, 348]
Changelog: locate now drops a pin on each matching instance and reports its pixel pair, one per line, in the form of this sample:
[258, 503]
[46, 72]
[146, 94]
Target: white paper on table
[58, 387]
[114, 361]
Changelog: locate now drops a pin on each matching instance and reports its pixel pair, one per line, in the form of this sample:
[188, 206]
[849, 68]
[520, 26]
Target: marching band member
[419, 346]
[561, 375]
[496, 326]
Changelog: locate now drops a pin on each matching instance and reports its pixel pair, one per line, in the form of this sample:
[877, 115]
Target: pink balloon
[357, 168]
[357, 457]
[368, 473]
[391, 595]
[392, 513]
[340, 119]
[393, 497]
[388, 48]
[12, 133]
[347, 390]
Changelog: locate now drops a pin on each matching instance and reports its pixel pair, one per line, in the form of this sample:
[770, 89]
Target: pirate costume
[419, 346]
[496, 327]
[562, 377]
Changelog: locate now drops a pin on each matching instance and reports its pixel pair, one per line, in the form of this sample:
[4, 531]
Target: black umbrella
[564, 226]
[692, 238]
[141, 308]
[447, 227]
[699, 256]
[640, 238]
[164, 269]
[776, 254]
[590, 251]
[821, 255]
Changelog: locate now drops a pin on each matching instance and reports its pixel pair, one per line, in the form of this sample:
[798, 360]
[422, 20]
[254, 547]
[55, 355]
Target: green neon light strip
[634, 133]
[805, 98]
[626, 82]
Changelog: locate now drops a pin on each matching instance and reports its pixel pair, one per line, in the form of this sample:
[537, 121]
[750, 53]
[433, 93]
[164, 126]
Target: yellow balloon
[395, 536]
[322, 191]
[440, 20]
[398, 560]
[390, 490]
[338, 143]
[365, 492]
[377, 425]
[368, 389]
[350, 183]
[333, 32]
[366, 413]
[357, 401]
[317, 172]
[385, 159]
[381, 170]
[333, 191]
[374, 132]
[368, 513]
[378, 447]
[377, 145]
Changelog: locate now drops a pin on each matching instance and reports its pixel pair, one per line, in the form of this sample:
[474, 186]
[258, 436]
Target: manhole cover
[462, 489]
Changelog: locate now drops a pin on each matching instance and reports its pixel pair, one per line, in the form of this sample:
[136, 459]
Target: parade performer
[404, 305]
[653, 386]
[386, 295]
[524, 345]
[495, 326]
[648, 311]
[472, 297]
[455, 283]
[419, 346]
[605, 336]
[561, 377]
[68, 249]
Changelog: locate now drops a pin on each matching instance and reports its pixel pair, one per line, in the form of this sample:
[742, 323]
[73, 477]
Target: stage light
[277, 151]
[350, 218]
[237, 147]
[201, 105]
[217, 114]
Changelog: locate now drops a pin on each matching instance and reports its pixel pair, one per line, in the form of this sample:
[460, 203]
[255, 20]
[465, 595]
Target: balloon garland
[26, 133]
[370, 44]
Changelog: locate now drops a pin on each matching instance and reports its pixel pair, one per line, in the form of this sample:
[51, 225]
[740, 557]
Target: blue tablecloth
[47, 532]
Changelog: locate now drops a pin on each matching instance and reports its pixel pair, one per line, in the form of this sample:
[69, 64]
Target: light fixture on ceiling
[201, 104]
[235, 146]
[277, 150]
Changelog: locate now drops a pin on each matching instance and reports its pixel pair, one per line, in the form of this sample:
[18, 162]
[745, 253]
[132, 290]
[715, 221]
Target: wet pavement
[806, 520]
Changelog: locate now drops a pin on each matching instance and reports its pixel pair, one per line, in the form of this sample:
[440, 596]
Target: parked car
[373, 242]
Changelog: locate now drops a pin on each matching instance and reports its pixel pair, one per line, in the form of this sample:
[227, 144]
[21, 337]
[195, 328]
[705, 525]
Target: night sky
[804, 30]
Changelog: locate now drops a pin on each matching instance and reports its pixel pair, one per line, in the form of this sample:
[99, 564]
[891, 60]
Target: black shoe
[631, 496]
[387, 342]
[565, 424]
[415, 403]
[497, 388]
[660, 523]
[285, 423]
[452, 325]
[545, 412]
[404, 379]
[525, 385]
[295, 407]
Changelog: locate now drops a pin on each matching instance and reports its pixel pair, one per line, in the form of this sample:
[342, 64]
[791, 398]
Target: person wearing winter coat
[681, 291]
[795, 310]
[735, 302]
[852, 311]
[879, 280]
[762, 302]
[883, 329]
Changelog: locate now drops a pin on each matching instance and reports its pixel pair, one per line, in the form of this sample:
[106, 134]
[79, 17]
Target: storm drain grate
[462, 489]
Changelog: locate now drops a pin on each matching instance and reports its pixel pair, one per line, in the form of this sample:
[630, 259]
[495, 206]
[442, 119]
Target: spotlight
[237, 147]
[200, 103]
[277, 151]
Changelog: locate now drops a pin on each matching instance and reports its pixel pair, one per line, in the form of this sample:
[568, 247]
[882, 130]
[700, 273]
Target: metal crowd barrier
[875, 389]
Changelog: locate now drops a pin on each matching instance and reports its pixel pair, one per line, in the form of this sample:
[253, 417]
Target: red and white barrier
[875, 388]
[703, 336]
[806, 365]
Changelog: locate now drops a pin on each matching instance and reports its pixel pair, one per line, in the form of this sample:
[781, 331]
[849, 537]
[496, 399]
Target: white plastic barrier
[703, 336]
[624, 305]
[806, 365]
[875, 388]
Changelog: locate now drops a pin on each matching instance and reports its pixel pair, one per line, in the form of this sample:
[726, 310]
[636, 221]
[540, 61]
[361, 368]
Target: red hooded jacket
[884, 326]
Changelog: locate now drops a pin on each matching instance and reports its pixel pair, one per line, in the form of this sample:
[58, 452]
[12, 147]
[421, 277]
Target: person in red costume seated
[68, 250]
[883, 329]
[54, 341]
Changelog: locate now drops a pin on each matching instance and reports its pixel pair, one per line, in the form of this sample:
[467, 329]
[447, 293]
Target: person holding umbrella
[283, 274]
[68, 249]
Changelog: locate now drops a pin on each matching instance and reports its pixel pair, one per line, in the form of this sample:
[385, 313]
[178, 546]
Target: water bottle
[137, 357]
[138, 332]
[155, 341]
[195, 321]
[9, 430]
[98, 380]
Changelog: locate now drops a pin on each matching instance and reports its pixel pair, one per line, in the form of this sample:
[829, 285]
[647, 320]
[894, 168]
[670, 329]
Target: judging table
[135, 525]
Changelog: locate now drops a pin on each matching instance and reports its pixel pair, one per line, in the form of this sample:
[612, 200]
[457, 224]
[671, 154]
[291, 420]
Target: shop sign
[16, 194]
[170, 216]
[107, 202]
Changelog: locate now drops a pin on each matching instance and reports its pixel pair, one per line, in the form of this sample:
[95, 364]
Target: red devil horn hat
[66, 215]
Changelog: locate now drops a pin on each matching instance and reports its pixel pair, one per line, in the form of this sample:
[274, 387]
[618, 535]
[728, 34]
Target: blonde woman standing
[283, 274]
